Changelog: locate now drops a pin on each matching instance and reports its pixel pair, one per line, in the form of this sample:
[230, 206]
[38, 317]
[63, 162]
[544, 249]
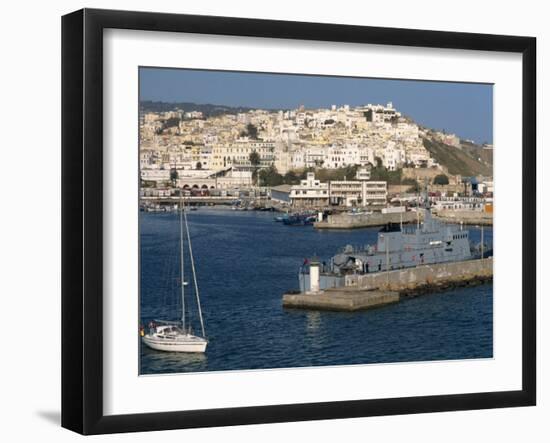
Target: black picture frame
[82, 218]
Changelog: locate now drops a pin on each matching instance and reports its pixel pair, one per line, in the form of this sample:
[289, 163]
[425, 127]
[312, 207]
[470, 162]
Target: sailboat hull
[191, 344]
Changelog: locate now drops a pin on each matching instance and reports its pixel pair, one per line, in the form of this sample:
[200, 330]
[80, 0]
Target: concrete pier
[340, 299]
[366, 291]
[465, 217]
[422, 278]
[354, 221]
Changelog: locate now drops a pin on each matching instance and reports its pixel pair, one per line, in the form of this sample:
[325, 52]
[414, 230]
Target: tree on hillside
[270, 177]
[252, 131]
[414, 186]
[254, 159]
[380, 173]
[350, 172]
[441, 179]
[290, 178]
[174, 176]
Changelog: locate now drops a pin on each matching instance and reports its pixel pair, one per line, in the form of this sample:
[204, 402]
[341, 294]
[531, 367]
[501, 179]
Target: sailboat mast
[194, 275]
[181, 266]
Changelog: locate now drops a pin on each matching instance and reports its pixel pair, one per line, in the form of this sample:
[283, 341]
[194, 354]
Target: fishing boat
[178, 336]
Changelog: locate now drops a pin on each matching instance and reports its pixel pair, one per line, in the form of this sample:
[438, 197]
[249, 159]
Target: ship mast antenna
[181, 264]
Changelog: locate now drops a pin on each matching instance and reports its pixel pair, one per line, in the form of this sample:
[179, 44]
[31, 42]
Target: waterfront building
[155, 175]
[375, 193]
[234, 178]
[309, 193]
[358, 193]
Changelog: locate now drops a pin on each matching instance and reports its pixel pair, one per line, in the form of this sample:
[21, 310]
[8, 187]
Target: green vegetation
[291, 178]
[254, 159]
[270, 177]
[173, 176]
[251, 132]
[323, 174]
[441, 179]
[379, 173]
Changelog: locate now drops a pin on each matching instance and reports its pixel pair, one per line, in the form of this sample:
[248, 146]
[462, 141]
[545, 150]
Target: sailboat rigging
[170, 336]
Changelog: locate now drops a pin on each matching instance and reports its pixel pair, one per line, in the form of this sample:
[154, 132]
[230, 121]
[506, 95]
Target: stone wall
[465, 216]
[457, 273]
[350, 221]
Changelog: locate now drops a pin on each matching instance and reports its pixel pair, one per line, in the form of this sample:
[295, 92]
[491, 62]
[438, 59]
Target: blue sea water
[245, 262]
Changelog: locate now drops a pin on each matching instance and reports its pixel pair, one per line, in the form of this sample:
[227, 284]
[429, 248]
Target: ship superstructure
[397, 247]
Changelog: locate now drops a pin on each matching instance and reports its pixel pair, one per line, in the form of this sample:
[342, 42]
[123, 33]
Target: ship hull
[192, 344]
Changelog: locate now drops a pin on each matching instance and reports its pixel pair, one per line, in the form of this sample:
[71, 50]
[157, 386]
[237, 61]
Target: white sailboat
[177, 336]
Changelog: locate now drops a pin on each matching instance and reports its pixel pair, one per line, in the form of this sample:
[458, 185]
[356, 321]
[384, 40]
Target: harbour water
[245, 262]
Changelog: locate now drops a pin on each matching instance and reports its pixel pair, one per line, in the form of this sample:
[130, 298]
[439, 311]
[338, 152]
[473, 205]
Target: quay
[355, 221]
[366, 291]
[424, 278]
[174, 199]
[340, 299]
[465, 217]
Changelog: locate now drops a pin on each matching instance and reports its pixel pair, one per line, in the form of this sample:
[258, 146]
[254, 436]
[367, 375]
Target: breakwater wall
[367, 291]
[353, 221]
[426, 278]
[340, 299]
[465, 217]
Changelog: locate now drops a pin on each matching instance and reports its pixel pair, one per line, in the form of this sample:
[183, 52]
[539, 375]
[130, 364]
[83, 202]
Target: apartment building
[309, 193]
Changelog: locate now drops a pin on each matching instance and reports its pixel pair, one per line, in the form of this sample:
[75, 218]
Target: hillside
[208, 110]
[468, 160]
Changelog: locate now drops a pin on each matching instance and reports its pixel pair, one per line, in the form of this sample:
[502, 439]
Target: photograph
[267, 222]
[292, 220]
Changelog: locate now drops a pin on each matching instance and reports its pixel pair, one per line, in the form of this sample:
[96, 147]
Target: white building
[235, 179]
[358, 193]
[393, 157]
[340, 156]
[380, 113]
[237, 154]
[309, 193]
[155, 175]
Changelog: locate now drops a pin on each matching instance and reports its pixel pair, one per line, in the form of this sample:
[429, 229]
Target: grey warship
[398, 247]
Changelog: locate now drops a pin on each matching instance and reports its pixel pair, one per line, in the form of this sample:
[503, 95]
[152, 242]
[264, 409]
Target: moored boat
[399, 247]
[178, 336]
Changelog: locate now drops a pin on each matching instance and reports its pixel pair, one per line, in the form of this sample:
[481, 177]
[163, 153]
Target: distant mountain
[468, 160]
[208, 110]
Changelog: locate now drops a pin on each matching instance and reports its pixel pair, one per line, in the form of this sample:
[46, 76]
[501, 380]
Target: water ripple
[245, 262]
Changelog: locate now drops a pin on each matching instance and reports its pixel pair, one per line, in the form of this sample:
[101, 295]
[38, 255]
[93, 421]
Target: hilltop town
[340, 156]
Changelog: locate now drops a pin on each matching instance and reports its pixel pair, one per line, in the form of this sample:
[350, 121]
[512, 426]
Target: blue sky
[462, 108]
